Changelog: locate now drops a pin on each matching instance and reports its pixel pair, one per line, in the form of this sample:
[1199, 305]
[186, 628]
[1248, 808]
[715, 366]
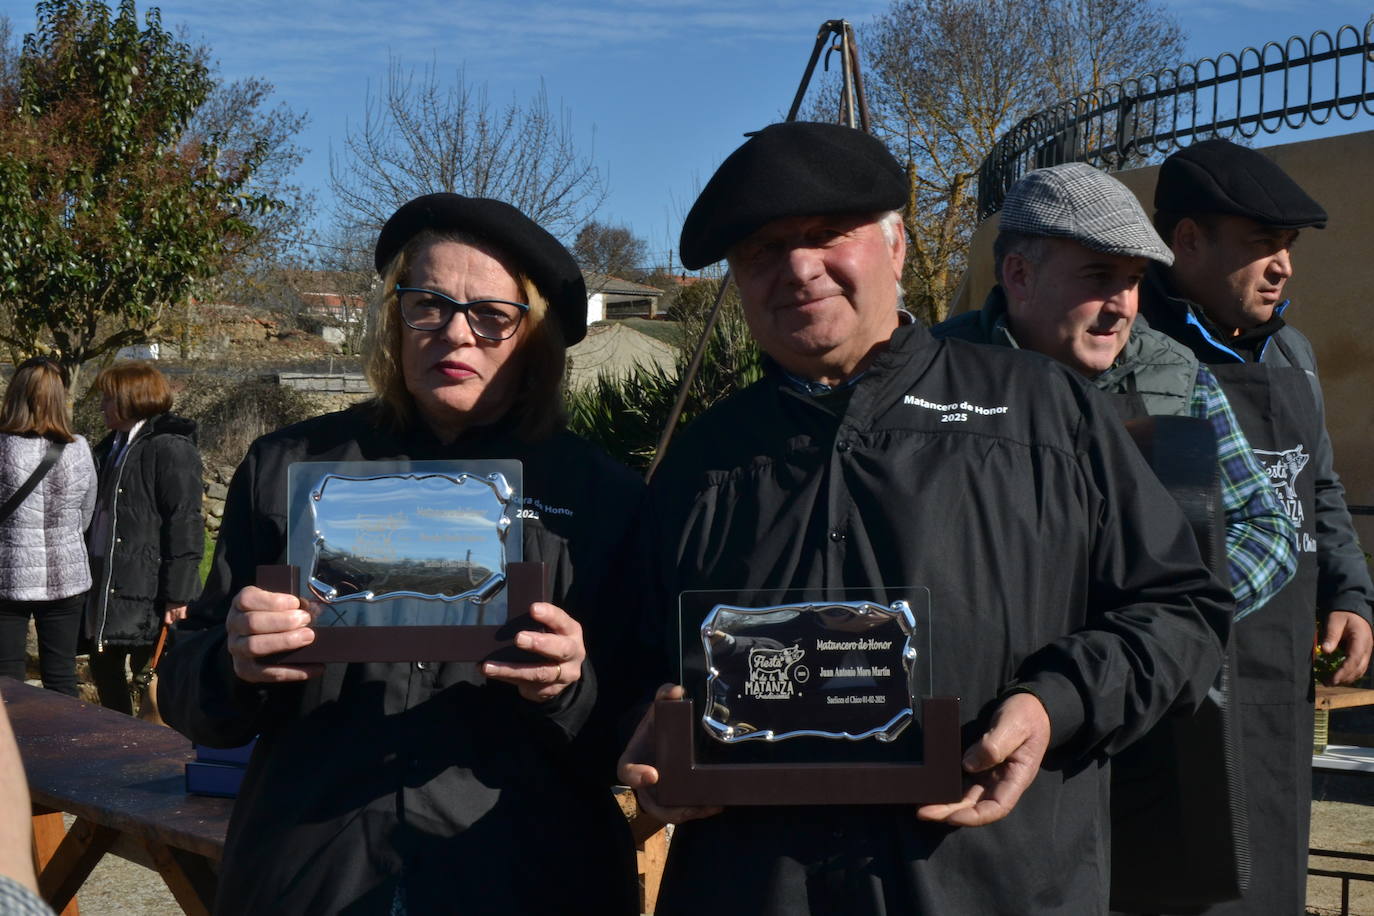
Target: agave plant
[625, 415]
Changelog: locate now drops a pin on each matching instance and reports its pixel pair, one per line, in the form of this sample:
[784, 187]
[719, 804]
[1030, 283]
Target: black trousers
[112, 677]
[58, 622]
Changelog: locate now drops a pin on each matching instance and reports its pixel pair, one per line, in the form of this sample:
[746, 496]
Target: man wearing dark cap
[1231, 215]
[1070, 608]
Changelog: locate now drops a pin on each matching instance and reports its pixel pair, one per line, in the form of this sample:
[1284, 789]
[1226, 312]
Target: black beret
[547, 263]
[1218, 176]
[799, 168]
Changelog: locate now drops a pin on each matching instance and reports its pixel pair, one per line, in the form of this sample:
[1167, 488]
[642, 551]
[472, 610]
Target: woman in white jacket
[43, 569]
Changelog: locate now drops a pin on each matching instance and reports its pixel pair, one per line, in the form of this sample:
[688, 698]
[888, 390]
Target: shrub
[626, 415]
[231, 416]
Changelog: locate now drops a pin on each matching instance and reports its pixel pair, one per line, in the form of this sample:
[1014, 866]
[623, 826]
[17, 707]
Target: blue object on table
[218, 779]
[237, 755]
[218, 771]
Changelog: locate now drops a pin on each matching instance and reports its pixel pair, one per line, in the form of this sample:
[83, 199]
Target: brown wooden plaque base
[682, 782]
[526, 583]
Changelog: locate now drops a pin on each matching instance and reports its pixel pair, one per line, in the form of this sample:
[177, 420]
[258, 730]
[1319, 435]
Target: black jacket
[157, 536]
[488, 803]
[1055, 561]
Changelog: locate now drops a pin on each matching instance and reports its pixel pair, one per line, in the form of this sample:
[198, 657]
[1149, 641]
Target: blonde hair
[36, 401]
[538, 404]
[138, 390]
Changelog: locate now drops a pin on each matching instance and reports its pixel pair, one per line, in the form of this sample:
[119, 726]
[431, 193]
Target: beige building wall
[1332, 291]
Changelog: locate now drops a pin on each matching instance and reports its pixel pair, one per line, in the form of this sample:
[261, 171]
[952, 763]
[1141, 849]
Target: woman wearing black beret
[430, 787]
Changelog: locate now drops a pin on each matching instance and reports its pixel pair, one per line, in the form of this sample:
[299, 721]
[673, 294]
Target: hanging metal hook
[852, 103]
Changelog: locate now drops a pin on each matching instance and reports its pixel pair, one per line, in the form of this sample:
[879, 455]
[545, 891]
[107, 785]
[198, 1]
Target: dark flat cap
[1218, 176]
[547, 263]
[795, 169]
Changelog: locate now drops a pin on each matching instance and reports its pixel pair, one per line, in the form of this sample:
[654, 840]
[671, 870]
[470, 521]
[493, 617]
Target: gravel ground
[1342, 819]
[118, 887]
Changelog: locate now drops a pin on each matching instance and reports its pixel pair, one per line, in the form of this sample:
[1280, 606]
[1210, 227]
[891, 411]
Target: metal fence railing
[1260, 90]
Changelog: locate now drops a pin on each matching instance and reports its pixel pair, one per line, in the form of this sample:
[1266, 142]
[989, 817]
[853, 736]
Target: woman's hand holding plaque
[562, 646]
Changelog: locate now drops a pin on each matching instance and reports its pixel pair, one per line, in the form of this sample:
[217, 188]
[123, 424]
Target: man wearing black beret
[1231, 216]
[1069, 606]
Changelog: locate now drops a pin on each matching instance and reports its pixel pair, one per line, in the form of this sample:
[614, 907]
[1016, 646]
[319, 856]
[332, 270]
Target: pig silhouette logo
[1283, 469]
[769, 671]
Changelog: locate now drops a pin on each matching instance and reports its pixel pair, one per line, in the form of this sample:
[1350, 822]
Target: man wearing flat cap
[1072, 246]
[1069, 606]
[1231, 216]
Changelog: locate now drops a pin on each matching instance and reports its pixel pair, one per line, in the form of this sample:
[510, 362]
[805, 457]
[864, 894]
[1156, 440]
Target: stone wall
[217, 477]
[344, 384]
[328, 392]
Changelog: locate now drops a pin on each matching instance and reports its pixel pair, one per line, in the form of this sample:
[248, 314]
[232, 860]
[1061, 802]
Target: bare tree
[1091, 43]
[241, 115]
[609, 250]
[9, 53]
[339, 283]
[946, 78]
[420, 135]
[237, 114]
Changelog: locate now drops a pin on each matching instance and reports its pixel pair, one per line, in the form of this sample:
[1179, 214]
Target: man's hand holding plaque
[1004, 762]
[635, 768]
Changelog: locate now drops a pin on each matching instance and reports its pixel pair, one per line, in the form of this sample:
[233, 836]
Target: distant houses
[332, 305]
[610, 298]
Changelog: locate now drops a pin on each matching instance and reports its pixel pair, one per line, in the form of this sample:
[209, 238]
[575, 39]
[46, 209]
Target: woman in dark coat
[147, 537]
[431, 787]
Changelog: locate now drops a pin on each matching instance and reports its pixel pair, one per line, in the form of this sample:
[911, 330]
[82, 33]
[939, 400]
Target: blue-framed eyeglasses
[427, 310]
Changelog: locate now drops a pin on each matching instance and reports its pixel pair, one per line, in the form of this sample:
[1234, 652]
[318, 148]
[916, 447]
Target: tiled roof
[604, 283]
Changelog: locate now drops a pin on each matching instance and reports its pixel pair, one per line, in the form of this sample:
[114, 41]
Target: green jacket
[1158, 368]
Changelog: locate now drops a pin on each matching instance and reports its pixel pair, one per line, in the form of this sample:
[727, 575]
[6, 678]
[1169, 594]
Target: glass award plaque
[406, 560]
[807, 697]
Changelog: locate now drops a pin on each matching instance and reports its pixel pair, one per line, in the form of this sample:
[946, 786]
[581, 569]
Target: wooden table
[651, 847]
[124, 781]
[1343, 697]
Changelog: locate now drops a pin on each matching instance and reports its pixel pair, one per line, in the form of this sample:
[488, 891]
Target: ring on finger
[557, 673]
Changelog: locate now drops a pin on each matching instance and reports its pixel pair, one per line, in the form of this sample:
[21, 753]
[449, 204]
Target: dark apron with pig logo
[1278, 413]
[1180, 839]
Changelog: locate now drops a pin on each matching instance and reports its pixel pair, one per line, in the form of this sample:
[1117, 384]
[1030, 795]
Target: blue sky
[659, 90]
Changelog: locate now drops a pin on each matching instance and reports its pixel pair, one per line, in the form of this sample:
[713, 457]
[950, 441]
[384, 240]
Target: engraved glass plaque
[404, 543]
[840, 670]
[807, 675]
[803, 697]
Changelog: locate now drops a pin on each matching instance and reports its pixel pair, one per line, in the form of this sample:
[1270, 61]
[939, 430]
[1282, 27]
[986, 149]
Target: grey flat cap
[1077, 202]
